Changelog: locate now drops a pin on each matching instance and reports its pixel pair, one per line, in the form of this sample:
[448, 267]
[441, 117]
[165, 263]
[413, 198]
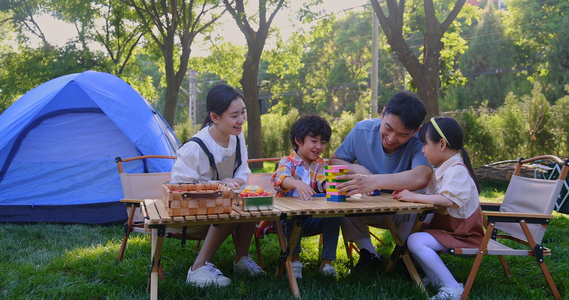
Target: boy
[302, 175]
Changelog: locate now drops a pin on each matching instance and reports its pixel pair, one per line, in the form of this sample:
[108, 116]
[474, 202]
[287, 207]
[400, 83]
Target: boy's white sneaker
[448, 293]
[297, 268]
[206, 275]
[328, 270]
[248, 266]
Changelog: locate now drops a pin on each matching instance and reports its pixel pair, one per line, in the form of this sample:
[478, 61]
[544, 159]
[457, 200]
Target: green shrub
[560, 125]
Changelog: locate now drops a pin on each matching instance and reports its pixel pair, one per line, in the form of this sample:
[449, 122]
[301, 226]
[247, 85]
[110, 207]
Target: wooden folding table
[158, 221]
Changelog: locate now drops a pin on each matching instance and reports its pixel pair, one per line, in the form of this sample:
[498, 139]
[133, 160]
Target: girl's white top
[452, 180]
[192, 164]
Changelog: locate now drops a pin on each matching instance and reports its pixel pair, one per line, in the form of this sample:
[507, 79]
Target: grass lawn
[55, 261]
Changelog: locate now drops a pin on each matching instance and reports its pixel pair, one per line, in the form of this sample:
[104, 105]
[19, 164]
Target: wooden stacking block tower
[332, 193]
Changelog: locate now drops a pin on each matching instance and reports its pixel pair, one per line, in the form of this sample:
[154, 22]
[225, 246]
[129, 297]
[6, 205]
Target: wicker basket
[189, 199]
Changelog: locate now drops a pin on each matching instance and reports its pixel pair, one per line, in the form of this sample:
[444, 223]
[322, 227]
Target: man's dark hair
[409, 108]
[311, 125]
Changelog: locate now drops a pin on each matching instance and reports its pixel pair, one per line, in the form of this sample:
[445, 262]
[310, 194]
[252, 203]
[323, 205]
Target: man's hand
[357, 184]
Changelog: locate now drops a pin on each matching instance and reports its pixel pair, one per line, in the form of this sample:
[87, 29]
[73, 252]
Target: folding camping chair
[522, 217]
[137, 187]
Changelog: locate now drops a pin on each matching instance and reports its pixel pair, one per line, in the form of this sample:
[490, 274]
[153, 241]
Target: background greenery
[504, 71]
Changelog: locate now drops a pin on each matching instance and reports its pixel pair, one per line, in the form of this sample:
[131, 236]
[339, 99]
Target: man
[389, 157]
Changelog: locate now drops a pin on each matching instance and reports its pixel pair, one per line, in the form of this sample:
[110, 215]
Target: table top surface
[157, 214]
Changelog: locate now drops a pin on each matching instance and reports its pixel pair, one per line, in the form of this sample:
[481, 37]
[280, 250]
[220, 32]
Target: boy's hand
[305, 192]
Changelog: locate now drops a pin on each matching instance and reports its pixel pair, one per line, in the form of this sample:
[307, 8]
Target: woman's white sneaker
[248, 266]
[206, 275]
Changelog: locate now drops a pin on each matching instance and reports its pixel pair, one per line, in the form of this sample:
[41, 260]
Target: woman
[217, 152]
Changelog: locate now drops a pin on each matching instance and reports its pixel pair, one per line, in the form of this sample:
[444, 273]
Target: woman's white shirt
[192, 164]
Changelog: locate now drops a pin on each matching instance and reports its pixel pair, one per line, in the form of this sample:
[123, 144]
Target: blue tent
[58, 145]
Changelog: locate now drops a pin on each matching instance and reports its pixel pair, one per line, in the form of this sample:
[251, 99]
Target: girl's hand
[404, 196]
[305, 192]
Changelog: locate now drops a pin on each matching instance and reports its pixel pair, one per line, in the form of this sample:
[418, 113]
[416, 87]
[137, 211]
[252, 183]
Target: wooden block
[211, 210]
[218, 209]
[218, 201]
[193, 211]
[335, 193]
[175, 204]
[201, 210]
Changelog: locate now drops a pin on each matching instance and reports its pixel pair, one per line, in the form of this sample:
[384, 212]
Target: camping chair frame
[489, 246]
[133, 204]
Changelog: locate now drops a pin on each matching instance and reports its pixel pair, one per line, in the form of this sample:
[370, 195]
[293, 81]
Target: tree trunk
[251, 93]
[428, 91]
[425, 74]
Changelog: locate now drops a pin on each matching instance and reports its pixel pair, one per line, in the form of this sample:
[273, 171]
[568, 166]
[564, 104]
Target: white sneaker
[297, 268]
[328, 270]
[206, 275]
[448, 293]
[248, 266]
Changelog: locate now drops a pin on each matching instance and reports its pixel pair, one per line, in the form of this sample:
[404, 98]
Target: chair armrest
[491, 206]
[131, 201]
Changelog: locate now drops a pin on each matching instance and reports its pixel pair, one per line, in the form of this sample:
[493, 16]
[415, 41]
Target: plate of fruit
[253, 197]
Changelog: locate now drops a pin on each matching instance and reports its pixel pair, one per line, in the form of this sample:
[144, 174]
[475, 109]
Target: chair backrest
[263, 180]
[530, 195]
[142, 185]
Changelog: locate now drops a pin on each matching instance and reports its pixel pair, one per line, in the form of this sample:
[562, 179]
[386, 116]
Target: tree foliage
[488, 64]
[172, 26]
[256, 39]
[425, 70]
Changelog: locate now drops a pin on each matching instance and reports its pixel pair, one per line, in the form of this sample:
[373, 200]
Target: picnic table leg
[157, 242]
[401, 249]
[285, 259]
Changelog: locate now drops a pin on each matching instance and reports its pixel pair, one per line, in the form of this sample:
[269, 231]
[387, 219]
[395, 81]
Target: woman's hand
[231, 183]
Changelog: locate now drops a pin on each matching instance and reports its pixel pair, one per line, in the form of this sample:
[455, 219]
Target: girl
[454, 186]
[218, 152]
